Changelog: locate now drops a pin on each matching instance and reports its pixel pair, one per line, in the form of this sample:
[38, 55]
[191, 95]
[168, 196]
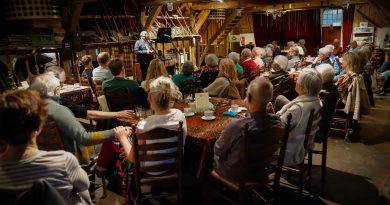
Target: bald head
[259, 92]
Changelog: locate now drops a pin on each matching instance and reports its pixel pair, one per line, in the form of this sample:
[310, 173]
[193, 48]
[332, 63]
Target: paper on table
[202, 101]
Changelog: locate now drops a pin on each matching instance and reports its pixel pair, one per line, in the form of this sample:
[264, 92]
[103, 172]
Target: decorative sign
[363, 24]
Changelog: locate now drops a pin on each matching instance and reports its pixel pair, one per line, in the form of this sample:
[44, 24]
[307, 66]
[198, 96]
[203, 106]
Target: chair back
[98, 87]
[329, 102]
[312, 123]
[277, 91]
[50, 139]
[187, 87]
[84, 81]
[262, 155]
[159, 161]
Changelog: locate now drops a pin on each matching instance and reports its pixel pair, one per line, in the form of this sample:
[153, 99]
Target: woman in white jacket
[307, 86]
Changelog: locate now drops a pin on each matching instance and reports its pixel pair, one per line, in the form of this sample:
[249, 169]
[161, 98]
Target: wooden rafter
[199, 20]
[152, 17]
[75, 17]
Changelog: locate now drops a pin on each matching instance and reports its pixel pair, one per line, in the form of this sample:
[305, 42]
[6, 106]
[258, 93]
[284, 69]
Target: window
[332, 16]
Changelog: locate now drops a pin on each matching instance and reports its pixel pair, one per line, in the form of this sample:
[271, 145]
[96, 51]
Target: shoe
[383, 93]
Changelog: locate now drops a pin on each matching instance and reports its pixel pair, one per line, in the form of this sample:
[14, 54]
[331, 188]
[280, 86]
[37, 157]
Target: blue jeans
[385, 66]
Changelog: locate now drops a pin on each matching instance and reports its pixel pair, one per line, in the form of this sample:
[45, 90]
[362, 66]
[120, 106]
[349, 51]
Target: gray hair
[311, 81]
[258, 51]
[164, 91]
[261, 90]
[188, 68]
[45, 84]
[282, 61]
[295, 49]
[324, 51]
[235, 57]
[326, 71]
[246, 52]
[291, 43]
[330, 47]
[57, 70]
[301, 42]
[268, 51]
[211, 60]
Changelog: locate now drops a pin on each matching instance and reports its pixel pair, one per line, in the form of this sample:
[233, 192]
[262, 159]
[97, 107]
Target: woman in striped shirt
[22, 116]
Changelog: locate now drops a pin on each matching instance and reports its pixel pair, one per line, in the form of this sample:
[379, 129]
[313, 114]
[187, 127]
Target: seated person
[22, 116]
[307, 86]
[279, 67]
[102, 72]
[119, 83]
[327, 75]
[293, 52]
[162, 94]
[235, 57]
[185, 80]
[257, 56]
[323, 57]
[210, 71]
[251, 70]
[58, 72]
[70, 129]
[88, 66]
[224, 86]
[156, 69]
[227, 147]
[385, 71]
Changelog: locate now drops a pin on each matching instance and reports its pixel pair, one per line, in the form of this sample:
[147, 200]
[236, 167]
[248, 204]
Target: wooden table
[206, 132]
[77, 93]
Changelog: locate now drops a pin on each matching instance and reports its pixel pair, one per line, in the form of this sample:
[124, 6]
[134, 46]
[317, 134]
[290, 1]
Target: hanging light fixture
[170, 6]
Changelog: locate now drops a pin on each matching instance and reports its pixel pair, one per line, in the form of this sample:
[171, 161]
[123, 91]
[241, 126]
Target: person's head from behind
[258, 52]
[268, 51]
[211, 60]
[258, 94]
[280, 63]
[324, 53]
[330, 48]
[350, 62]
[354, 44]
[293, 51]
[290, 44]
[116, 67]
[162, 94]
[309, 82]
[326, 71]
[275, 43]
[103, 59]
[46, 85]
[336, 42]
[58, 72]
[235, 57]
[246, 53]
[364, 55]
[228, 70]
[301, 42]
[156, 68]
[188, 68]
[87, 61]
[22, 116]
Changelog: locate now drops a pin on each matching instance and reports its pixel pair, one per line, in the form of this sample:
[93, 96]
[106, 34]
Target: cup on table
[192, 106]
[208, 114]
[187, 110]
[234, 108]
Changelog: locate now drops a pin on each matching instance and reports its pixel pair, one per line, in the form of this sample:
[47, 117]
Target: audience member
[156, 69]
[235, 57]
[102, 72]
[337, 48]
[210, 71]
[58, 72]
[276, 50]
[327, 75]
[250, 67]
[353, 46]
[257, 56]
[323, 57]
[294, 58]
[86, 61]
[185, 80]
[279, 67]
[385, 71]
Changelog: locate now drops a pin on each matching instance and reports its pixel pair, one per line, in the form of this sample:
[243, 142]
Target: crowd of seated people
[347, 75]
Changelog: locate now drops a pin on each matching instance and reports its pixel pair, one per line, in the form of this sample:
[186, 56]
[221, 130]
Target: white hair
[235, 57]
[330, 48]
[295, 49]
[45, 84]
[282, 61]
[326, 71]
[261, 90]
[258, 52]
[324, 51]
[211, 60]
[164, 91]
[311, 81]
[144, 33]
[268, 51]
[247, 52]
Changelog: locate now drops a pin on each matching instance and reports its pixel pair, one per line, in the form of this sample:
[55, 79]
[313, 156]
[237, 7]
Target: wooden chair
[50, 139]
[171, 171]
[187, 87]
[304, 172]
[98, 87]
[260, 166]
[84, 81]
[329, 102]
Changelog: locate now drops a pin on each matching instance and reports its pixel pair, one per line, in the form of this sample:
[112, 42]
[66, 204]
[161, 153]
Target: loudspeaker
[164, 35]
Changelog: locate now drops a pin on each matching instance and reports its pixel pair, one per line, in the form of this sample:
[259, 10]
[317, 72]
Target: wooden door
[329, 35]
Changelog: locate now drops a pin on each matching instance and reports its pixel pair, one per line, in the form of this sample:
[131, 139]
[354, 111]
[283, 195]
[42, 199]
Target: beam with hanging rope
[199, 20]
[152, 18]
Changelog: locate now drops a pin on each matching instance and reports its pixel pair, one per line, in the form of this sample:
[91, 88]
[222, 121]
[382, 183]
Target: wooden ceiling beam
[75, 17]
[199, 20]
[152, 17]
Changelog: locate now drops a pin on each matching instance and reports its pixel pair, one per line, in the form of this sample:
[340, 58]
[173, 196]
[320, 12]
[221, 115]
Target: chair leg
[309, 169]
[104, 187]
[323, 161]
[301, 177]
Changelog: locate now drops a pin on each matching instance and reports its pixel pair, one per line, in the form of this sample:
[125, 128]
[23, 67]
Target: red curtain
[291, 26]
[347, 24]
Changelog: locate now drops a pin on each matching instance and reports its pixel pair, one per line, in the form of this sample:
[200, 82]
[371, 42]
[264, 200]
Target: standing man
[144, 51]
